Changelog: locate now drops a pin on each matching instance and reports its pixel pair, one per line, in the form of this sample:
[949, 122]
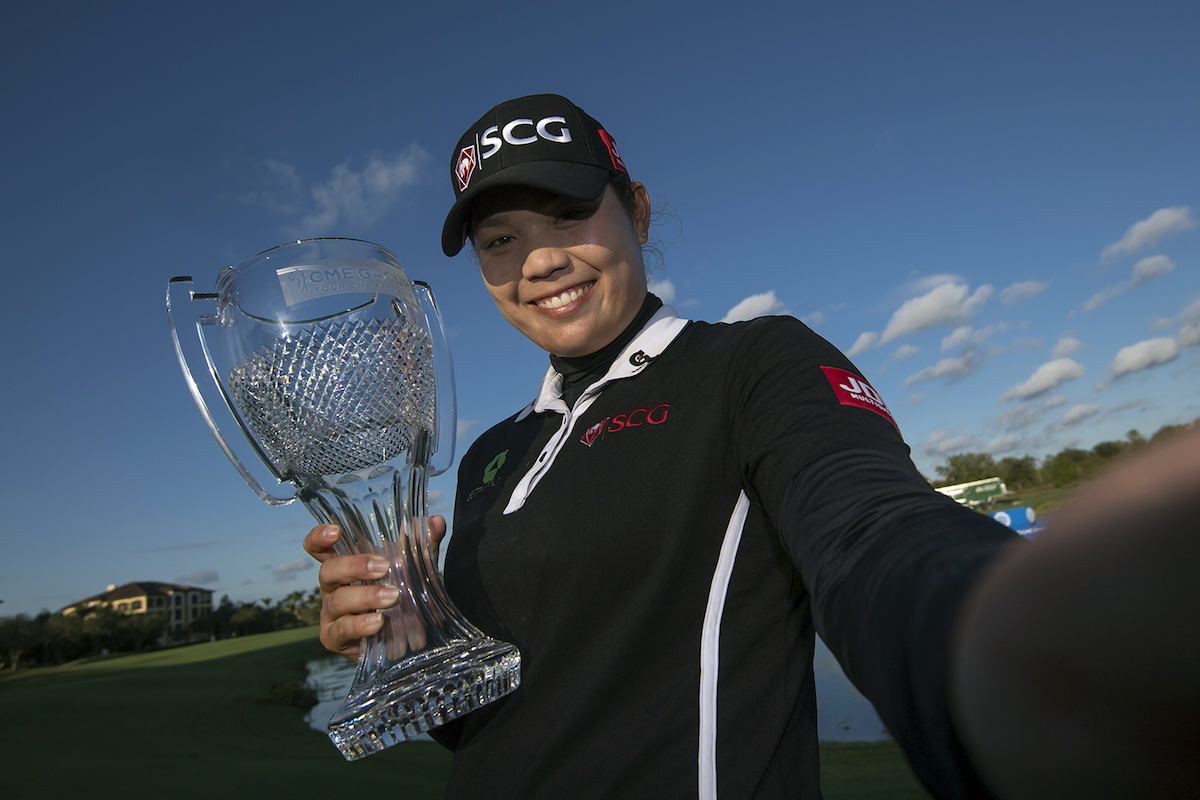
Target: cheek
[498, 283]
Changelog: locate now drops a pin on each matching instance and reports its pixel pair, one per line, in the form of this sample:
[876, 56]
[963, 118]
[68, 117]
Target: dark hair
[623, 186]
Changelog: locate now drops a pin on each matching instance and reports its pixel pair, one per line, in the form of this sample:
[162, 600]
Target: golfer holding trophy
[335, 368]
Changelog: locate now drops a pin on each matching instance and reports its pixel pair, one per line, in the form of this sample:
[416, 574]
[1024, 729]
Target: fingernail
[330, 533]
[377, 566]
[373, 619]
[388, 594]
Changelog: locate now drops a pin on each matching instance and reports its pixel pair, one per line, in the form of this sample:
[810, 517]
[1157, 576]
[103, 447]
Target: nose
[543, 262]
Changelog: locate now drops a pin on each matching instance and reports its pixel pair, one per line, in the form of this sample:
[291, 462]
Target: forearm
[1077, 672]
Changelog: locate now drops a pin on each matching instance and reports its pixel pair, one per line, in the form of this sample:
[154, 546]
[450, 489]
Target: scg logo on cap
[510, 134]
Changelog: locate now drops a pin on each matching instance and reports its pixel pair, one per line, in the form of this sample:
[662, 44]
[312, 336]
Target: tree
[1167, 431]
[1019, 473]
[1107, 450]
[1070, 465]
[17, 635]
[966, 467]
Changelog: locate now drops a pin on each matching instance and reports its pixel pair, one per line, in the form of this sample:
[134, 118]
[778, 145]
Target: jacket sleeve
[887, 561]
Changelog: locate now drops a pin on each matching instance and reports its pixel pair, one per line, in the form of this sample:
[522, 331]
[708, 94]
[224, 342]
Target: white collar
[658, 332]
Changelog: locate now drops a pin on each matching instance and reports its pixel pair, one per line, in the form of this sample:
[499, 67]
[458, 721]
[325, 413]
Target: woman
[663, 529]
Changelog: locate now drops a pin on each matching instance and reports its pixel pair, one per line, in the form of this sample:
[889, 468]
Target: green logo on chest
[489, 472]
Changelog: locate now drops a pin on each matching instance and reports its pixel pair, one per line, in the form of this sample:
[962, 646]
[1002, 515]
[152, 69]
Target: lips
[564, 298]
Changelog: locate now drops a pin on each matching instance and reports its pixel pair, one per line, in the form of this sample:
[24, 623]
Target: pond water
[843, 715]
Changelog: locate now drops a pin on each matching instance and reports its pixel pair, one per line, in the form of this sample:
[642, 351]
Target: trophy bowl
[335, 369]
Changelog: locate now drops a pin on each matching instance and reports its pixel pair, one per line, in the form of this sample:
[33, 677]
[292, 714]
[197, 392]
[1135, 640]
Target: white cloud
[664, 289]
[1022, 291]
[1006, 443]
[1191, 313]
[1144, 271]
[948, 304]
[928, 283]
[905, 351]
[917, 399]
[1103, 296]
[756, 305]
[200, 577]
[1079, 412]
[1026, 413]
[288, 569]
[1067, 346]
[966, 335]
[1147, 232]
[1157, 323]
[356, 199]
[814, 318]
[956, 367]
[464, 427]
[942, 443]
[1044, 378]
[864, 342]
[1189, 333]
[960, 335]
[1150, 268]
[1143, 355]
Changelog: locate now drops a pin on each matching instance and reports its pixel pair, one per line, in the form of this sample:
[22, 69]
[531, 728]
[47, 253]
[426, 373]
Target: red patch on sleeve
[853, 390]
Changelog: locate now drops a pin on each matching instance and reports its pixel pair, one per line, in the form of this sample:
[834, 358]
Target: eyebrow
[492, 221]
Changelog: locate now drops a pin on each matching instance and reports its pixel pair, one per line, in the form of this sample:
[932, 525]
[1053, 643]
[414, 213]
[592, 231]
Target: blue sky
[993, 206]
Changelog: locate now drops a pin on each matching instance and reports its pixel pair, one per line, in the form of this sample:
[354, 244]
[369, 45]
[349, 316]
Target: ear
[641, 218]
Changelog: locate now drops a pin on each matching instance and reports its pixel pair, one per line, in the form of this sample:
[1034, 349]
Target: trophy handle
[442, 447]
[187, 308]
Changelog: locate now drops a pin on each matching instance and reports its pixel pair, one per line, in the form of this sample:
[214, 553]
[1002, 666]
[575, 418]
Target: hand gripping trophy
[335, 368]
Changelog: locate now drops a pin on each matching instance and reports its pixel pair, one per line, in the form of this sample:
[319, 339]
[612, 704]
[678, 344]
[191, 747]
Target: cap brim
[578, 181]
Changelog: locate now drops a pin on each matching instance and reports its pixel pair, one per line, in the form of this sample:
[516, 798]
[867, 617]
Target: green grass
[189, 722]
[194, 722]
[867, 771]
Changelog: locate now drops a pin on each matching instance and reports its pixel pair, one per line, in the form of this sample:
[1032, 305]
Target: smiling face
[567, 274]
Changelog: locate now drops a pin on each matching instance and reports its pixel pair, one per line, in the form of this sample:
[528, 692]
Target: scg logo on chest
[656, 415]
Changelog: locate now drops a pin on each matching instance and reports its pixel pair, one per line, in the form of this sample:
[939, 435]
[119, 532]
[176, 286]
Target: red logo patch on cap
[465, 167]
[613, 153]
[853, 390]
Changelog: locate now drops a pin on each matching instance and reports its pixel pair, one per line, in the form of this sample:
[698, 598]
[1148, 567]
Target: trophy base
[423, 692]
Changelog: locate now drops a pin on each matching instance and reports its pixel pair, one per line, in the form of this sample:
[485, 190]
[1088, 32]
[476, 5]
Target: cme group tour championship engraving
[304, 282]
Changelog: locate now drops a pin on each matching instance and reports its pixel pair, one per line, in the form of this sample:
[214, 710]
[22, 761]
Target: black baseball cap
[544, 141]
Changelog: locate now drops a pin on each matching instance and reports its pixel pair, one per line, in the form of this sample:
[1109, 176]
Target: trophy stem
[428, 664]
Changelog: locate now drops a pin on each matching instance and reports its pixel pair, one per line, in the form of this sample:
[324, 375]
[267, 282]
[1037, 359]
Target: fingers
[320, 541]
[353, 606]
[349, 613]
[437, 528]
[338, 571]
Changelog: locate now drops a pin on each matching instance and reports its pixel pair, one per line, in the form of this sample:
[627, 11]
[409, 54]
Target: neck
[582, 371]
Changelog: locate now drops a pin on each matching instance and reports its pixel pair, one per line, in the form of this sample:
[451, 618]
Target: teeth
[569, 296]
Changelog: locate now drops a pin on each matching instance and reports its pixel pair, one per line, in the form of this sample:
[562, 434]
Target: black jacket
[662, 552]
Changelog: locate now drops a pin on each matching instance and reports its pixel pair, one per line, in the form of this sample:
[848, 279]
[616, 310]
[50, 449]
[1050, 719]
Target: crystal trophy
[336, 371]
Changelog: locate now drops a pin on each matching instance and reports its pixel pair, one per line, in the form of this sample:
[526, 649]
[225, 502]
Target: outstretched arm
[1077, 665]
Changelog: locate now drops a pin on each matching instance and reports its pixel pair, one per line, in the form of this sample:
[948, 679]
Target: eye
[497, 241]
[577, 212]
